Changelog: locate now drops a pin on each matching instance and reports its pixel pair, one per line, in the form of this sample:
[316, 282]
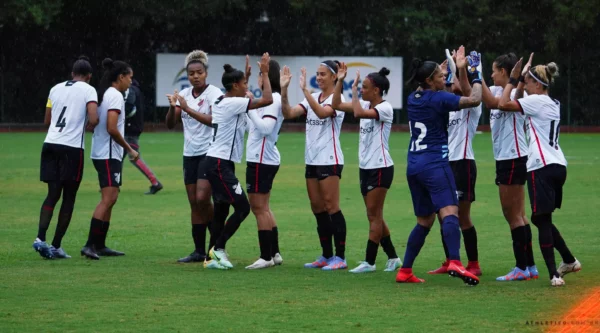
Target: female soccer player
[263, 160]
[429, 175]
[324, 162]
[462, 125]
[546, 165]
[510, 153]
[193, 107]
[376, 165]
[69, 104]
[227, 147]
[107, 153]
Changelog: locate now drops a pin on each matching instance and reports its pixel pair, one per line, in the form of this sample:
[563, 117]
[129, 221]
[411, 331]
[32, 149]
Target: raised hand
[461, 60]
[474, 59]
[264, 63]
[527, 65]
[342, 71]
[516, 71]
[303, 78]
[248, 67]
[355, 84]
[172, 99]
[182, 103]
[285, 76]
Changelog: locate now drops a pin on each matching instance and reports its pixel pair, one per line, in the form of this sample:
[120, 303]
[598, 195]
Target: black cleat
[155, 188]
[107, 252]
[193, 257]
[90, 252]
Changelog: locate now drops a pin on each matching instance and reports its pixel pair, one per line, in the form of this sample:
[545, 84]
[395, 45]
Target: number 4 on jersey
[416, 145]
[61, 122]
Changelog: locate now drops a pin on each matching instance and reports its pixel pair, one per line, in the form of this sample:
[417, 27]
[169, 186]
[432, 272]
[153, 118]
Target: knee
[464, 221]
[317, 207]
[331, 207]
[110, 200]
[242, 208]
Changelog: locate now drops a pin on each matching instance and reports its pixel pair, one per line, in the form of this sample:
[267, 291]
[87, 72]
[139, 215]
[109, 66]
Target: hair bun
[384, 71]
[82, 57]
[552, 69]
[107, 63]
[228, 68]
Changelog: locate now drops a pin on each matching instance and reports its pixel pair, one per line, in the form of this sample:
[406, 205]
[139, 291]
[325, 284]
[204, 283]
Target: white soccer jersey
[373, 145]
[508, 131]
[323, 135]
[229, 126]
[103, 146]
[69, 101]
[543, 120]
[462, 125]
[261, 148]
[196, 135]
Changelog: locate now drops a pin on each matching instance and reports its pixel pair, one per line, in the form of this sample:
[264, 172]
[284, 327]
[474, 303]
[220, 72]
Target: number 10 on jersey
[415, 145]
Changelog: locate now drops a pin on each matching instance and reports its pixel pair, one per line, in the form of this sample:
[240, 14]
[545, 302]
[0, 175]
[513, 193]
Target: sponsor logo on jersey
[316, 122]
[454, 122]
[366, 130]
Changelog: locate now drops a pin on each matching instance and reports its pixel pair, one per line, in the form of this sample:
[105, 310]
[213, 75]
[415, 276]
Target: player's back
[428, 113]
[68, 101]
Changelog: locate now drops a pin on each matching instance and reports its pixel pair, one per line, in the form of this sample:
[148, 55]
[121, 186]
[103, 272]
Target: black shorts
[511, 172]
[193, 169]
[225, 185]
[545, 187]
[323, 171]
[371, 179]
[259, 177]
[109, 172]
[465, 176]
[61, 163]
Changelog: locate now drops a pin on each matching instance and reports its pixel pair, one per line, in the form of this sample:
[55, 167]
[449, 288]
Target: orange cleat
[473, 268]
[405, 275]
[441, 270]
[456, 269]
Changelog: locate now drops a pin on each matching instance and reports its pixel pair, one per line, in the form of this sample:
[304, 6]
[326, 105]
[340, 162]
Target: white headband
[331, 69]
[538, 80]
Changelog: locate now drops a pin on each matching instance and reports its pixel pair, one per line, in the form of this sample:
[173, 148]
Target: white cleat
[565, 269]
[364, 267]
[213, 264]
[221, 257]
[277, 259]
[59, 253]
[557, 282]
[261, 263]
[392, 265]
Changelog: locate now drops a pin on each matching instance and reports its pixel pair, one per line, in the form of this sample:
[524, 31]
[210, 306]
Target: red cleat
[405, 275]
[473, 268]
[441, 270]
[456, 269]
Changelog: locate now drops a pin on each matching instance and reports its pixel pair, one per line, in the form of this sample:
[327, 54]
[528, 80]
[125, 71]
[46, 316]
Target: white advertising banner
[171, 74]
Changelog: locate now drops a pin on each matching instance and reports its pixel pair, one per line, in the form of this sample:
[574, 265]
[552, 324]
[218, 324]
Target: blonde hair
[545, 74]
[197, 56]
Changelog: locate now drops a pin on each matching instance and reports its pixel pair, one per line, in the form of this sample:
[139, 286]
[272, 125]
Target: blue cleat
[533, 272]
[516, 274]
[43, 249]
[320, 262]
[335, 263]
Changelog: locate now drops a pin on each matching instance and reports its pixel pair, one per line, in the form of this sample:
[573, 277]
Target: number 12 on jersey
[415, 145]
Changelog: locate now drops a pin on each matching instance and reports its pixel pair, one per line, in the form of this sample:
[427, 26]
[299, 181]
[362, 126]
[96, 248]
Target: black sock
[444, 243]
[547, 248]
[519, 240]
[241, 209]
[470, 239]
[264, 241]
[371, 255]
[339, 233]
[66, 212]
[529, 252]
[101, 241]
[275, 241]
[95, 231]
[54, 192]
[221, 211]
[388, 247]
[199, 236]
[561, 246]
[324, 228]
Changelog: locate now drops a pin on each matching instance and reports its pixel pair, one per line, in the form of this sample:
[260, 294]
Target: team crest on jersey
[417, 95]
[237, 189]
[117, 177]
[201, 103]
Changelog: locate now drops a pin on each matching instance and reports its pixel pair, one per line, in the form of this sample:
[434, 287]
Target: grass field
[148, 291]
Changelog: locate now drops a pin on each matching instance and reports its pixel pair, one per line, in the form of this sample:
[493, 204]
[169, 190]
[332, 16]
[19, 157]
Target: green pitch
[147, 291]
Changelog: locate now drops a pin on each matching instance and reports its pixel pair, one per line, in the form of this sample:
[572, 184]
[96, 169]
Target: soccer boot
[59, 253]
[557, 281]
[405, 275]
[363, 267]
[154, 189]
[277, 259]
[442, 270]
[335, 263]
[320, 262]
[516, 274]
[213, 264]
[473, 268]
[533, 272]
[456, 269]
[564, 269]
[261, 263]
[108, 252]
[90, 252]
[221, 257]
[193, 257]
[43, 249]
[392, 265]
